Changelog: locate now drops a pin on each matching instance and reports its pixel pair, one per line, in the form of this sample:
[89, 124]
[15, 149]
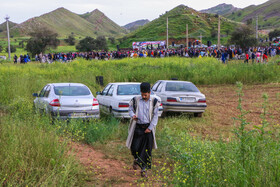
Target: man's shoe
[134, 165]
[144, 174]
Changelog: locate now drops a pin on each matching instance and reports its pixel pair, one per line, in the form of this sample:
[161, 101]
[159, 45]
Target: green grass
[14, 79]
[33, 155]
[249, 158]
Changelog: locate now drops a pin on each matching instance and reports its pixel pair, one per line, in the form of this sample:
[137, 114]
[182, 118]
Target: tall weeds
[250, 159]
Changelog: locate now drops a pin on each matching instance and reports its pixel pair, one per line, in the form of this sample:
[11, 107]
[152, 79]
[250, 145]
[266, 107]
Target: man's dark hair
[145, 87]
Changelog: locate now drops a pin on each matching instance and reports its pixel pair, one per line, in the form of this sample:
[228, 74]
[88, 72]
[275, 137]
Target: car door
[102, 98]
[108, 99]
[39, 102]
[156, 87]
[45, 98]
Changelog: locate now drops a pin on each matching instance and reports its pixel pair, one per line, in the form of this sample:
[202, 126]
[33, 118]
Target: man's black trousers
[141, 147]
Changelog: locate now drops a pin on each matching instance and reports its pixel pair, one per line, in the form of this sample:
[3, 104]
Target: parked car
[115, 98]
[180, 96]
[67, 100]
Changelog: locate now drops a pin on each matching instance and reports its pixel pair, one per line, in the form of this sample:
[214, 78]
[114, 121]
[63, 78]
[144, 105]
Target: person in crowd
[253, 56]
[265, 58]
[246, 58]
[15, 59]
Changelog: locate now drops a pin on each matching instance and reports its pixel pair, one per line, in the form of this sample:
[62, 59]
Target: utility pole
[167, 33]
[187, 36]
[257, 26]
[8, 33]
[219, 33]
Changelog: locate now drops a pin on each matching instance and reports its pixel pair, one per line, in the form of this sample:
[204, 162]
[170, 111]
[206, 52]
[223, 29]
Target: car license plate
[77, 114]
[187, 99]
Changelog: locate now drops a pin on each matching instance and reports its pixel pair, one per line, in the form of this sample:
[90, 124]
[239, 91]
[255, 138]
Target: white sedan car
[67, 100]
[180, 96]
[115, 98]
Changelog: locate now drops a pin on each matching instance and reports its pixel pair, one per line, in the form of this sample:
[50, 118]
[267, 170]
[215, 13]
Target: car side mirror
[98, 93]
[35, 94]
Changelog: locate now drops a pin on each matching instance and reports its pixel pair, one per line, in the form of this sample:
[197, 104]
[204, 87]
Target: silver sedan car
[115, 98]
[67, 100]
[180, 96]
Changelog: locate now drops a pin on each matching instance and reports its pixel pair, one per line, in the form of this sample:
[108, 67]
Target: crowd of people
[23, 59]
[257, 54]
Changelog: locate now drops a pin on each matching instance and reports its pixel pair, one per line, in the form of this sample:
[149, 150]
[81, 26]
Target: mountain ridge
[74, 24]
[268, 14]
[136, 24]
[221, 9]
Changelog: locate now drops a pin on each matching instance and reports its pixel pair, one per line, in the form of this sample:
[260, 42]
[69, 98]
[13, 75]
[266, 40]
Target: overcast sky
[120, 11]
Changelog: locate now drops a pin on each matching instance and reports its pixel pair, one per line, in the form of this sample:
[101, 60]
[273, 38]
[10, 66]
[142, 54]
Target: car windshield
[129, 89]
[71, 90]
[181, 87]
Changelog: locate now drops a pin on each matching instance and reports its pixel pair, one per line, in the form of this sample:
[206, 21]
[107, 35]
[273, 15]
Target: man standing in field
[143, 111]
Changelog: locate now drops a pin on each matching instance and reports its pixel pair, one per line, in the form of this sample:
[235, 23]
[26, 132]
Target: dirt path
[104, 170]
[222, 106]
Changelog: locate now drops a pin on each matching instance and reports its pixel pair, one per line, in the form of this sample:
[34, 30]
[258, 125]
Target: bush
[12, 48]
[90, 44]
[70, 40]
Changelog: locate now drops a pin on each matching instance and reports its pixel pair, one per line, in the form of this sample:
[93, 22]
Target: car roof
[174, 81]
[67, 84]
[123, 83]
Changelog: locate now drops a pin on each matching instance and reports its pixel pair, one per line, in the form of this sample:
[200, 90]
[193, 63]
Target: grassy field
[184, 158]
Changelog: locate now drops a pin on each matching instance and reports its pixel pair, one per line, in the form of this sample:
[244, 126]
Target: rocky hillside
[136, 24]
[102, 23]
[221, 9]
[268, 14]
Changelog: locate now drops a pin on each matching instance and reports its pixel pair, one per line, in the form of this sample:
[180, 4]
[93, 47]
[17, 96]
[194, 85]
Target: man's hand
[148, 130]
[135, 118]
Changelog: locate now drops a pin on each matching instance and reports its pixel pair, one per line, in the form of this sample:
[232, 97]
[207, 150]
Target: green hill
[3, 26]
[65, 22]
[102, 23]
[268, 14]
[206, 24]
[221, 9]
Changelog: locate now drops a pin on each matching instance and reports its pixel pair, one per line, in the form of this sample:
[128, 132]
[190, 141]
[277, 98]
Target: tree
[21, 44]
[70, 40]
[112, 40]
[249, 21]
[243, 36]
[40, 40]
[1, 48]
[274, 34]
[214, 33]
[89, 44]
[101, 43]
[12, 48]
